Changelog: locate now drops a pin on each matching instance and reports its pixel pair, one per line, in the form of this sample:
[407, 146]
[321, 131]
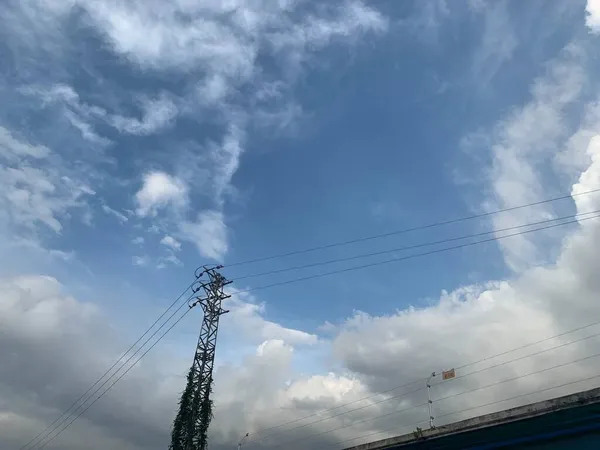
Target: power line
[438, 400]
[469, 409]
[524, 395]
[413, 256]
[411, 247]
[423, 380]
[320, 275]
[537, 372]
[408, 230]
[468, 375]
[343, 413]
[72, 413]
[117, 380]
[28, 444]
[387, 430]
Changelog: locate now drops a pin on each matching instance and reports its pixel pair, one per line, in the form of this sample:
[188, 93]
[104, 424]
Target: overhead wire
[462, 377]
[411, 247]
[328, 273]
[422, 380]
[88, 394]
[479, 388]
[570, 383]
[118, 379]
[537, 372]
[318, 276]
[412, 256]
[28, 444]
[411, 229]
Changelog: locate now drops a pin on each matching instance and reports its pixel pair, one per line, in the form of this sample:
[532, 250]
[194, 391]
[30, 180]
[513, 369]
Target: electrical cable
[341, 414]
[28, 444]
[329, 273]
[408, 230]
[438, 400]
[586, 358]
[469, 409]
[410, 247]
[413, 256]
[522, 395]
[564, 344]
[118, 379]
[54, 428]
[423, 380]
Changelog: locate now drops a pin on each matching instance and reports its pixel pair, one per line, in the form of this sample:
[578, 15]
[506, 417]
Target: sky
[141, 139]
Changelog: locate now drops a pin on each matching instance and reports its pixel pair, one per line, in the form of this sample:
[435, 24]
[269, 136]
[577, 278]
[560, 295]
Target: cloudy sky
[142, 138]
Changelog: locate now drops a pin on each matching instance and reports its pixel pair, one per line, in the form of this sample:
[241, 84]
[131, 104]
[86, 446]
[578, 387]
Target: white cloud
[246, 320]
[426, 21]
[77, 113]
[41, 322]
[497, 45]
[208, 233]
[592, 17]
[227, 160]
[12, 149]
[476, 6]
[165, 261]
[158, 35]
[140, 261]
[44, 327]
[352, 19]
[371, 354]
[36, 188]
[220, 43]
[589, 180]
[171, 242]
[139, 240]
[573, 158]
[159, 190]
[157, 114]
[523, 148]
[120, 216]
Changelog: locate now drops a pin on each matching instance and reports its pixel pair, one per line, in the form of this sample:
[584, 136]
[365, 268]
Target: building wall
[582, 442]
[570, 422]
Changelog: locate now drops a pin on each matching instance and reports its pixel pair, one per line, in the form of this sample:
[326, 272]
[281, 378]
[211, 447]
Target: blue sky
[139, 140]
[373, 146]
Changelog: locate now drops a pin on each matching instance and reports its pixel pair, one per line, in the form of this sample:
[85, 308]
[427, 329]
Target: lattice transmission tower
[190, 426]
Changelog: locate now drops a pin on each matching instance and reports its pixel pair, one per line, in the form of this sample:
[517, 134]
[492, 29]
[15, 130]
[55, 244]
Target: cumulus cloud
[159, 190]
[43, 326]
[373, 354]
[42, 323]
[592, 16]
[246, 320]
